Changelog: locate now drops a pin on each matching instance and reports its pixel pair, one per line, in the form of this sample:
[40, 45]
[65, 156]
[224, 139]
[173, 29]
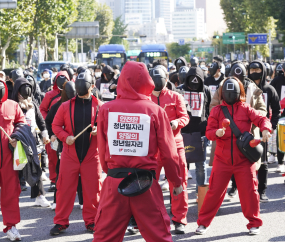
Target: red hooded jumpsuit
[49, 100]
[10, 114]
[90, 169]
[174, 105]
[230, 161]
[115, 210]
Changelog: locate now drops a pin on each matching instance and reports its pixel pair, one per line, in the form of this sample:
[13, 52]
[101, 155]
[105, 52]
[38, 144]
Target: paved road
[229, 225]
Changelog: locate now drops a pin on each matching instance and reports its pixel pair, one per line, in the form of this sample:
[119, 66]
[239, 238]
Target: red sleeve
[183, 117]
[102, 139]
[44, 105]
[258, 120]
[19, 117]
[212, 125]
[58, 123]
[168, 150]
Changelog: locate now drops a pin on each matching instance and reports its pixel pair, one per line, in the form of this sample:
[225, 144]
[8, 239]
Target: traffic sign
[206, 49]
[181, 41]
[234, 38]
[257, 39]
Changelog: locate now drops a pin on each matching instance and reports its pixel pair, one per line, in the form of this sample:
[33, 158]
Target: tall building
[164, 9]
[186, 3]
[188, 23]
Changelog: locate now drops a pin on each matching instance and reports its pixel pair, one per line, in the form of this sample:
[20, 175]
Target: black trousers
[37, 189]
[280, 157]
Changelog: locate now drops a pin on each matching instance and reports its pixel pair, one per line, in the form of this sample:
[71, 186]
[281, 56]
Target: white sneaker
[44, 177]
[42, 201]
[165, 186]
[189, 175]
[53, 206]
[13, 234]
[271, 159]
[280, 168]
[81, 207]
[201, 230]
[254, 231]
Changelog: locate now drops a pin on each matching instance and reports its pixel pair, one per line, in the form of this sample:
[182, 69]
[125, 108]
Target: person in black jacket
[46, 83]
[67, 93]
[257, 73]
[22, 94]
[199, 97]
[181, 61]
[215, 78]
[104, 83]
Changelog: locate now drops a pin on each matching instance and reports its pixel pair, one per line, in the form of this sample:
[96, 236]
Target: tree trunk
[31, 45]
[3, 52]
[46, 50]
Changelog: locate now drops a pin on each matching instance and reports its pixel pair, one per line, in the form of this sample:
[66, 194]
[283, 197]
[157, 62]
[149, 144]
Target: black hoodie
[39, 118]
[104, 84]
[212, 83]
[185, 64]
[270, 96]
[198, 122]
[279, 83]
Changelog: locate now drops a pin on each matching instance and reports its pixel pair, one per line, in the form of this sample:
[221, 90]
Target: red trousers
[10, 192]
[245, 175]
[179, 204]
[115, 211]
[52, 158]
[90, 172]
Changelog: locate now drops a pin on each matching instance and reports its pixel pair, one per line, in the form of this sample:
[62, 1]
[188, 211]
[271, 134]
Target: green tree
[119, 29]
[50, 17]
[86, 10]
[13, 24]
[175, 50]
[106, 24]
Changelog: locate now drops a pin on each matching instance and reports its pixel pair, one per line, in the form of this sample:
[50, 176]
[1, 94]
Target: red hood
[61, 73]
[6, 93]
[135, 82]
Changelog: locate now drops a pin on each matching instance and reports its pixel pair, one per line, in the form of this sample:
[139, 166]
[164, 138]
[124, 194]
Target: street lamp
[233, 38]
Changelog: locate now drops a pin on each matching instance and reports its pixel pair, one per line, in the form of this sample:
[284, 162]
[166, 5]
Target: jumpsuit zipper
[232, 137]
[83, 133]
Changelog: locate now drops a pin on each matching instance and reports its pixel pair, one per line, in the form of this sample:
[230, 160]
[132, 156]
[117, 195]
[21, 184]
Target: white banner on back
[128, 134]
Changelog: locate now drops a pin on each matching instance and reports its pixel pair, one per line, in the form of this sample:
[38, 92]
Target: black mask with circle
[238, 70]
[194, 83]
[25, 91]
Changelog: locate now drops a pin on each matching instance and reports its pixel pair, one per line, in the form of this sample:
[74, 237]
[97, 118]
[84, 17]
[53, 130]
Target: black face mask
[255, 76]
[182, 74]
[2, 90]
[25, 91]
[231, 91]
[179, 64]
[60, 81]
[83, 83]
[213, 69]
[194, 83]
[159, 78]
[70, 90]
[238, 71]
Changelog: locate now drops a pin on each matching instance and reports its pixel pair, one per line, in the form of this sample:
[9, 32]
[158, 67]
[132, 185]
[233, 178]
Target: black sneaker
[263, 198]
[133, 227]
[52, 187]
[179, 228]
[58, 229]
[90, 228]
[233, 192]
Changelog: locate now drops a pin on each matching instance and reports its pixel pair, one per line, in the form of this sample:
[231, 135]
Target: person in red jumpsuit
[49, 100]
[131, 130]
[230, 161]
[79, 156]
[10, 114]
[174, 105]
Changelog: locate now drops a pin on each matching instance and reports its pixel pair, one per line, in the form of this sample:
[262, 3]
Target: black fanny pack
[135, 182]
[253, 154]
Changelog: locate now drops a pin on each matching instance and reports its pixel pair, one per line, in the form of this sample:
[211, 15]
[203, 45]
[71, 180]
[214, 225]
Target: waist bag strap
[124, 172]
